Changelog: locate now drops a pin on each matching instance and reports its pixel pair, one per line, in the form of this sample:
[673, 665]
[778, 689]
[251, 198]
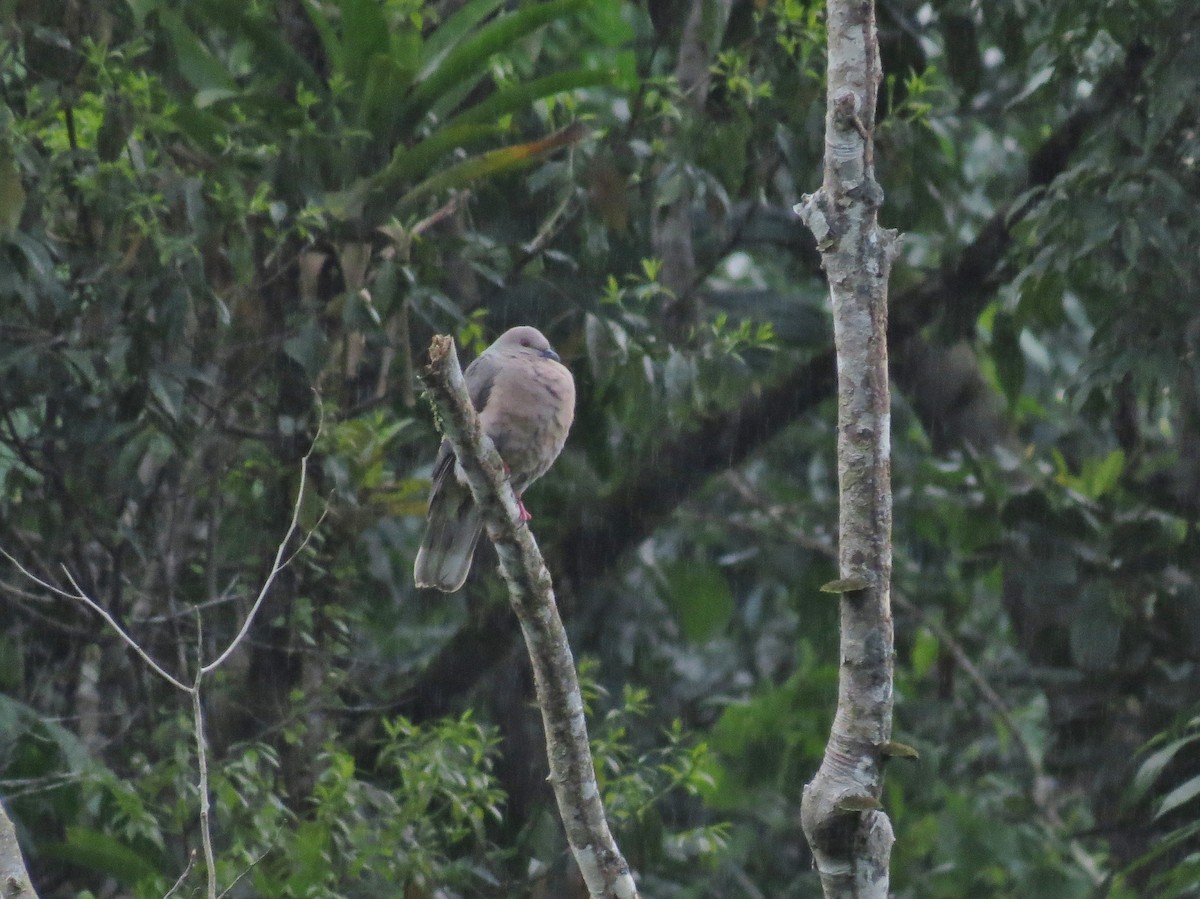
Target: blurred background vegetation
[223, 222]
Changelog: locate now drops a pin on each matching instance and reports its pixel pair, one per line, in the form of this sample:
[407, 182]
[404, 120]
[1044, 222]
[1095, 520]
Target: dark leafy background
[229, 229]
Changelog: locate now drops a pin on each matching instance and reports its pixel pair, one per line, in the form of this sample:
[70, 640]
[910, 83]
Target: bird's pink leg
[523, 513]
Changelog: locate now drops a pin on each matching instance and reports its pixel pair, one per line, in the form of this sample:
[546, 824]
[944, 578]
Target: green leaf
[1103, 475]
[467, 62]
[1155, 763]
[41, 265]
[1095, 631]
[1178, 797]
[307, 347]
[452, 31]
[925, 651]
[364, 38]
[679, 381]
[1166, 103]
[274, 53]
[330, 41]
[491, 163]
[12, 194]
[381, 92]
[1008, 356]
[200, 69]
[478, 123]
[513, 99]
[700, 597]
[96, 851]
[406, 164]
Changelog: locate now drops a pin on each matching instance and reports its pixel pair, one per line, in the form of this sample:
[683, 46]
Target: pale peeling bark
[850, 836]
[14, 879]
[572, 771]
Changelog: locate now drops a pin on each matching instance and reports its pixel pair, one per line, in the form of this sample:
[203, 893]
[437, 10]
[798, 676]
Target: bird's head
[527, 338]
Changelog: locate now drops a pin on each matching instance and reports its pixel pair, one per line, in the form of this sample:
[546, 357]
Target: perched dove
[526, 400]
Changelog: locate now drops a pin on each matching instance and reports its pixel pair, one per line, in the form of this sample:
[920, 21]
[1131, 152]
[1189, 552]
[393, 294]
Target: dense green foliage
[227, 231]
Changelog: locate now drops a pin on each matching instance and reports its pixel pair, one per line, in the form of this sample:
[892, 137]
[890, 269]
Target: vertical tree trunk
[850, 836]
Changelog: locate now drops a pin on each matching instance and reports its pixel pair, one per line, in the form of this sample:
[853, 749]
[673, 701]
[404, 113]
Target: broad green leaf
[1168, 101]
[381, 93]
[467, 62]
[169, 392]
[1103, 475]
[330, 42]
[143, 8]
[97, 851]
[490, 163]
[274, 54]
[1007, 356]
[679, 381]
[36, 254]
[926, 648]
[700, 597]
[1186, 792]
[1156, 762]
[200, 69]
[1095, 631]
[364, 38]
[520, 96]
[12, 195]
[307, 347]
[478, 123]
[408, 164]
[452, 31]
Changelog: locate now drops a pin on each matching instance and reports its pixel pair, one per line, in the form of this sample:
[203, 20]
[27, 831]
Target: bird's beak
[550, 354]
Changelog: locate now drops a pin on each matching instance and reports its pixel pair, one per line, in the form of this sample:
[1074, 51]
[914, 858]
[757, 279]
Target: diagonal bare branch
[572, 771]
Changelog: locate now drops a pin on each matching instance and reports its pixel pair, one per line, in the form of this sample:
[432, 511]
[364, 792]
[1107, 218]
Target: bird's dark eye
[525, 342]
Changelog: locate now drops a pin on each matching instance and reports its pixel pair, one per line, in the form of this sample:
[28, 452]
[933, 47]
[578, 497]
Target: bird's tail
[451, 532]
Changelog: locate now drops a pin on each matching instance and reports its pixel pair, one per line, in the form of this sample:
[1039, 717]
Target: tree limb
[572, 771]
[849, 834]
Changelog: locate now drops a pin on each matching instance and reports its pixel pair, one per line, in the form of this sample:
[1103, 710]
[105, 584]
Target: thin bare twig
[277, 566]
[31, 786]
[195, 689]
[254, 864]
[227, 595]
[81, 596]
[182, 877]
[210, 861]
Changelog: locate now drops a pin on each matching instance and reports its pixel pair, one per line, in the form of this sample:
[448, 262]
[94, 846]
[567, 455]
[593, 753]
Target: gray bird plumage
[525, 398]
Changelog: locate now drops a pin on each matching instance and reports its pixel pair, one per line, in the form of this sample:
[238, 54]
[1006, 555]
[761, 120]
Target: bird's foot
[522, 513]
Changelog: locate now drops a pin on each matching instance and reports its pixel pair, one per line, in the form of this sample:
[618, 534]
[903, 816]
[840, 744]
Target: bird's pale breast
[528, 415]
